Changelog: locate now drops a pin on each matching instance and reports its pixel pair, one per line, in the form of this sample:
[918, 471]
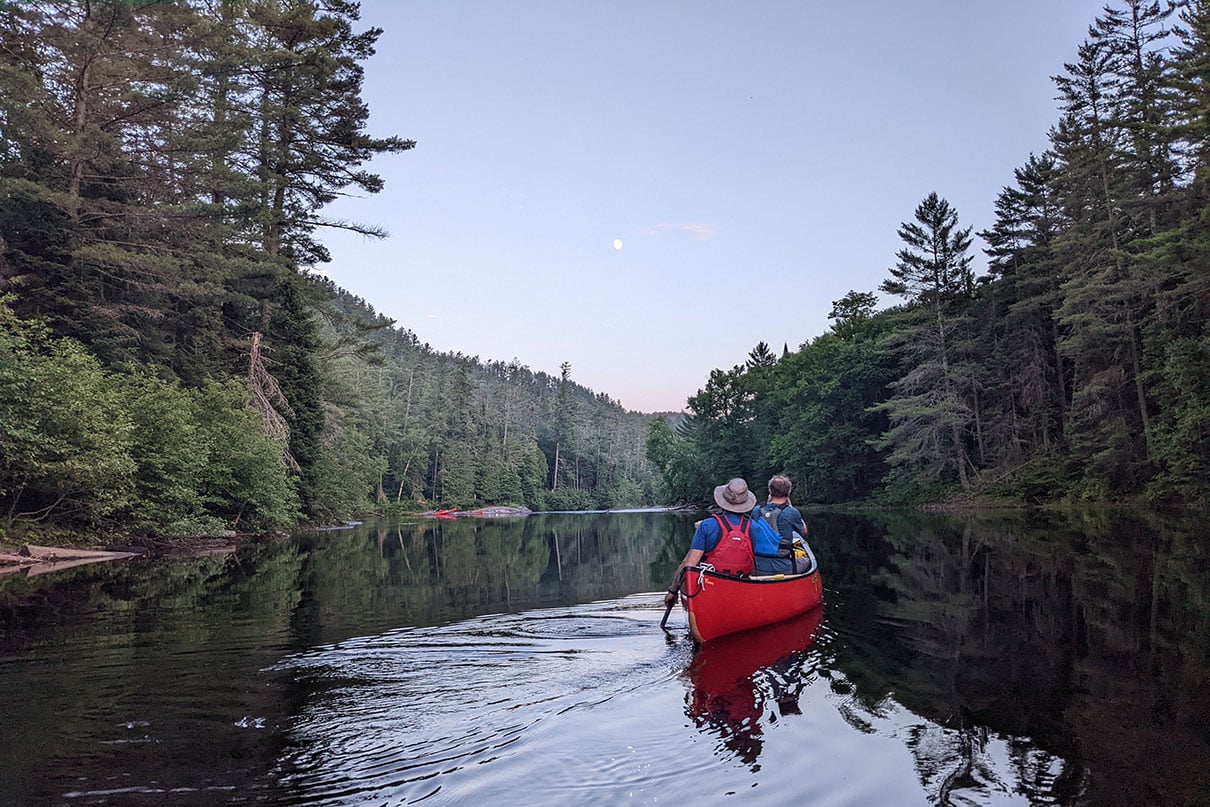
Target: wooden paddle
[676, 596]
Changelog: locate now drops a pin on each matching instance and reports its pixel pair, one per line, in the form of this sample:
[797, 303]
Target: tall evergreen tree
[311, 137]
[1116, 174]
[1141, 104]
[1179, 332]
[1030, 395]
[931, 411]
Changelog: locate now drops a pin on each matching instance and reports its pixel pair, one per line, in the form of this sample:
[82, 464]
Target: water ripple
[396, 717]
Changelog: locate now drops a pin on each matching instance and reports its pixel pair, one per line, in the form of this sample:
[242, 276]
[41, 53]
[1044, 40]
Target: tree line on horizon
[1077, 369]
[169, 363]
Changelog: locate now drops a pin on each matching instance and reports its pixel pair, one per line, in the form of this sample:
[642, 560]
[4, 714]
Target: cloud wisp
[700, 232]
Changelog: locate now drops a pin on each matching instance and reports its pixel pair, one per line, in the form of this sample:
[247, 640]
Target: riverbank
[31, 560]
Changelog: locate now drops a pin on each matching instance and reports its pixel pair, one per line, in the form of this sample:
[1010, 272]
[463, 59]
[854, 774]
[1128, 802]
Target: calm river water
[1019, 658]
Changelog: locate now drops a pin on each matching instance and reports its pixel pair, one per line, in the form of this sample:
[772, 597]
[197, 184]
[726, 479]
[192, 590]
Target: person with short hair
[737, 503]
[789, 520]
[780, 514]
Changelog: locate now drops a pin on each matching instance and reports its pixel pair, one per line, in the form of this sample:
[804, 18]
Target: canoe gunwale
[709, 570]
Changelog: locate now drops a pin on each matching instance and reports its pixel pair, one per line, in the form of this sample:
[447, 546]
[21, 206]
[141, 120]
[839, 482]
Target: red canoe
[719, 604]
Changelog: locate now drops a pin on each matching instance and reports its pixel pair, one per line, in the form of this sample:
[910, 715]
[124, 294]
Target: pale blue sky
[754, 158]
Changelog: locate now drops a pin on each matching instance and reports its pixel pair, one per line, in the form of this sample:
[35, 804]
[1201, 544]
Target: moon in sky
[617, 243]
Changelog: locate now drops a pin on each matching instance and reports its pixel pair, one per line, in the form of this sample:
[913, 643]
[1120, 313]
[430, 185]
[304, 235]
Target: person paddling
[726, 540]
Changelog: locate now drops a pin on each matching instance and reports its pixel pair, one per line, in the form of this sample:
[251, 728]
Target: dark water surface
[1019, 658]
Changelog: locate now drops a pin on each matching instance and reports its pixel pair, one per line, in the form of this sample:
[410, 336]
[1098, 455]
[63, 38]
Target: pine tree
[565, 418]
[1141, 104]
[310, 138]
[1029, 395]
[1179, 332]
[930, 411]
[1114, 182]
[761, 356]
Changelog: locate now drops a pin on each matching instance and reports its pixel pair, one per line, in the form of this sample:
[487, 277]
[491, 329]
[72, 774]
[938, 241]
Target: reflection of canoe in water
[719, 604]
[736, 678]
[482, 512]
[717, 665]
[497, 512]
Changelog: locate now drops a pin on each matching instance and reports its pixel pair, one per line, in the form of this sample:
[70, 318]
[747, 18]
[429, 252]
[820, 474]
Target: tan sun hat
[735, 497]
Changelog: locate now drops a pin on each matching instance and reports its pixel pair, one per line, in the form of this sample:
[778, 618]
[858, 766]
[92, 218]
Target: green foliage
[684, 473]
[345, 474]
[1183, 431]
[1041, 480]
[826, 396]
[531, 469]
[625, 492]
[244, 481]
[85, 448]
[724, 419]
[161, 171]
[169, 455]
[1076, 370]
[456, 432]
[65, 437]
[851, 313]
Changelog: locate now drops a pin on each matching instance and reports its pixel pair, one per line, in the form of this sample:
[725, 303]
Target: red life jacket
[733, 552]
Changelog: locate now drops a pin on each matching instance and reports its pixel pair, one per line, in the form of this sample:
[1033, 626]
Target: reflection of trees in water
[964, 762]
[249, 606]
[1040, 633]
[157, 622]
[433, 570]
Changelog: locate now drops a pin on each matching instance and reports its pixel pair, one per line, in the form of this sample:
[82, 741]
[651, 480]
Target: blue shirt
[708, 533]
[789, 520]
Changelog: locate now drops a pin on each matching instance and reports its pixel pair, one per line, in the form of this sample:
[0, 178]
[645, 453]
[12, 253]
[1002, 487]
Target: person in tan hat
[717, 540]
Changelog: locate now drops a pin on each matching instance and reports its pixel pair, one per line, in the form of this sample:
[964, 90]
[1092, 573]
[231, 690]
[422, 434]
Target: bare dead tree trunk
[979, 428]
[1135, 367]
[268, 400]
[79, 120]
[407, 409]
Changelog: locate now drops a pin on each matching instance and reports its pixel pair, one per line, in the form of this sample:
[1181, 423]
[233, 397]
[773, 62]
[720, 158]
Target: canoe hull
[720, 605]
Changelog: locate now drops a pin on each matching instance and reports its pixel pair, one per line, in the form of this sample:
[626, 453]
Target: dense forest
[1077, 369]
[170, 362]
